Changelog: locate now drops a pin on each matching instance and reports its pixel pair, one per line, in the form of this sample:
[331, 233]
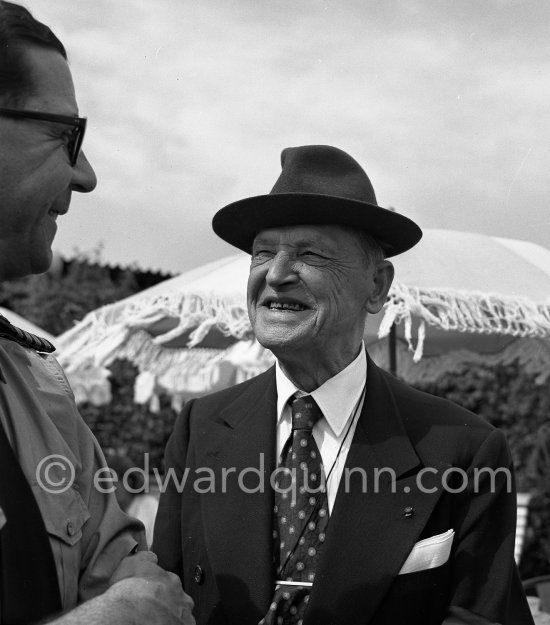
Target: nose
[84, 179]
[281, 270]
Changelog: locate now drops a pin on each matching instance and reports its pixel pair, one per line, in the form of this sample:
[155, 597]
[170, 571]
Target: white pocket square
[429, 553]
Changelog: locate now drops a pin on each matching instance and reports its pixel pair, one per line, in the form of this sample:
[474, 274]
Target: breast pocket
[420, 597]
[64, 515]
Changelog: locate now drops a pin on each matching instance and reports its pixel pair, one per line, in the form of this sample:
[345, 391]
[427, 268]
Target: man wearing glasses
[63, 541]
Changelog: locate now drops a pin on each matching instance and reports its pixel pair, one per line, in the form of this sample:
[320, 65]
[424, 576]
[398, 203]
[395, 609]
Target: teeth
[285, 306]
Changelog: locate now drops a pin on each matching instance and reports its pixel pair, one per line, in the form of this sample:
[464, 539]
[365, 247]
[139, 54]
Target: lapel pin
[408, 511]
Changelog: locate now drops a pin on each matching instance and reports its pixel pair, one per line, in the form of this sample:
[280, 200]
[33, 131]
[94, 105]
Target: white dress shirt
[340, 399]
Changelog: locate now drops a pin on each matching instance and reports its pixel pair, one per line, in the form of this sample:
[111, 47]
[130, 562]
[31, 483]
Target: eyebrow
[266, 240]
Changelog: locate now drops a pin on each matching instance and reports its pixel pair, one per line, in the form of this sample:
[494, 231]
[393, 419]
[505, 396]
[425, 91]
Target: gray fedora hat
[319, 184]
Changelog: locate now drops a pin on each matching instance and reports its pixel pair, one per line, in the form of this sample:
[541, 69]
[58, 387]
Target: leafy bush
[56, 303]
[128, 428]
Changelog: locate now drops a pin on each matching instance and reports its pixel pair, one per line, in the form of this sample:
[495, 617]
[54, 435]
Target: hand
[132, 601]
[154, 601]
[153, 587]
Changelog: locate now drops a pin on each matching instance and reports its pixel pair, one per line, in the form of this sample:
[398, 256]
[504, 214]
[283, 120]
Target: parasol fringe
[149, 356]
[105, 331]
[196, 313]
[420, 345]
[452, 310]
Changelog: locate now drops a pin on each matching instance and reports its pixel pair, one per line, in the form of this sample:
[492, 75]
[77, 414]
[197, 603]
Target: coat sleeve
[167, 542]
[109, 535]
[486, 583]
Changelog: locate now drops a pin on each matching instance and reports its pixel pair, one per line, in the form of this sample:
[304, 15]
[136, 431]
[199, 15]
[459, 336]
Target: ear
[381, 282]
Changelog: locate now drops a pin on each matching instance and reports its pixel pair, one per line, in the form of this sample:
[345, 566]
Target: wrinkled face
[36, 176]
[310, 288]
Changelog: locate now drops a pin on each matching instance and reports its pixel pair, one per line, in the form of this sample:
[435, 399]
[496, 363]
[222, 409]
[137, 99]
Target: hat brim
[239, 222]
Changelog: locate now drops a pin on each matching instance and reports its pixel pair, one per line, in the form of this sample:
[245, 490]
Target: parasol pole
[392, 344]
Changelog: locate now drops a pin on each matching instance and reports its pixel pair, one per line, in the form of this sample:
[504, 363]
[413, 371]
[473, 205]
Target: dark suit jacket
[216, 532]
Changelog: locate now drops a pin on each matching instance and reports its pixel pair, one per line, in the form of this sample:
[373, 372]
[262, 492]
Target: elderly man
[338, 494]
[63, 541]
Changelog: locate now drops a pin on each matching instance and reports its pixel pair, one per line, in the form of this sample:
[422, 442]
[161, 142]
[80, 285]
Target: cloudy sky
[444, 102]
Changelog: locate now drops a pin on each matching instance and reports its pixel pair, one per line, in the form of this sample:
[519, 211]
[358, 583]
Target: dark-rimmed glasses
[78, 123]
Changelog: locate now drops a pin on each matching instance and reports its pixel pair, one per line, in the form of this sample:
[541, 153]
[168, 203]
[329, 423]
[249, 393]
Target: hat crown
[318, 185]
[325, 170]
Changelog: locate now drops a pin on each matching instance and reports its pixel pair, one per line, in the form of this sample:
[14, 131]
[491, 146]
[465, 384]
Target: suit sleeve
[167, 534]
[486, 583]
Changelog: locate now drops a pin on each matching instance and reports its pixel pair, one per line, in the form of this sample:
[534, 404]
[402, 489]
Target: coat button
[408, 511]
[199, 574]
[70, 528]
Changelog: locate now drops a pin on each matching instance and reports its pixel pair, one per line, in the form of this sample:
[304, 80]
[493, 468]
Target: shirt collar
[337, 397]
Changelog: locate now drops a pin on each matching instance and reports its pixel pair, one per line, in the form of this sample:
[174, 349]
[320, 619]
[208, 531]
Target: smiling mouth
[281, 306]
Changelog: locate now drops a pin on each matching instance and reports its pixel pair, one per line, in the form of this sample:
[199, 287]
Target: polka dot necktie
[300, 516]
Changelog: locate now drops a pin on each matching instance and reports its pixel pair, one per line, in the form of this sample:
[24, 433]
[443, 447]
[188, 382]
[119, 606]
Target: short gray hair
[373, 250]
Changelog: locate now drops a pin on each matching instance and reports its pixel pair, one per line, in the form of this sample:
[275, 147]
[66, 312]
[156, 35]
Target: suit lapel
[238, 524]
[371, 533]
